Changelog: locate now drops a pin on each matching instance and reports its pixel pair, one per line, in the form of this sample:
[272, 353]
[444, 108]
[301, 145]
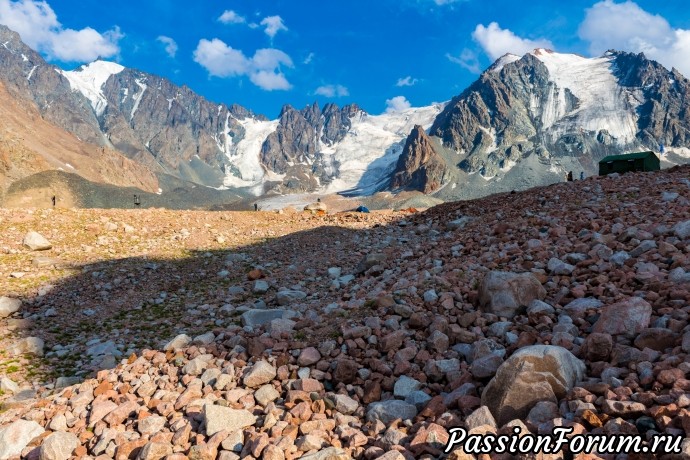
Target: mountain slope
[567, 110]
[419, 167]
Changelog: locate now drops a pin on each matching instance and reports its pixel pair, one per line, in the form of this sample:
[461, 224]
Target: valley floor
[344, 335]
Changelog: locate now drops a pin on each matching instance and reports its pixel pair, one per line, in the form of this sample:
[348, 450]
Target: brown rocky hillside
[159, 334]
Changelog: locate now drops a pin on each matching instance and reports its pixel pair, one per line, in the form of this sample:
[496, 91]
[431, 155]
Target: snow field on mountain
[603, 103]
[89, 80]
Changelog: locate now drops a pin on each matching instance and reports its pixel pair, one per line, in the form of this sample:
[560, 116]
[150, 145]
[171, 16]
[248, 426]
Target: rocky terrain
[561, 112]
[157, 334]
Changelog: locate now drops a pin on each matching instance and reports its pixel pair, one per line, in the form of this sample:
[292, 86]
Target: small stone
[309, 356]
[219, 418]
[58, 446]
[8, 386]
[8, 306]
[266, 394]
[259, 374]
[387, 411]
[345, 405]
[36, 242]
[178, 342]
[405, 385]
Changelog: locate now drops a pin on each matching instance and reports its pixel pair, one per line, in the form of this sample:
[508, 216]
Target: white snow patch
[160, 191]
[24, 58]
[89, 80]
[245, 156]
[603, 104]
[503, 61]
[69, 165]
[31, 72]
[373, 146]
[137, 97]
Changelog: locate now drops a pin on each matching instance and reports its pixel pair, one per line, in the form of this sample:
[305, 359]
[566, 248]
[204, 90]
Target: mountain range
[525, 121]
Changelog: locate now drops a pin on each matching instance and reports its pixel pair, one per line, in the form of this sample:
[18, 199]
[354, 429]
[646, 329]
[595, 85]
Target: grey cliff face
[419, 167]
[294, 149]
[502, 118]
[29, 77]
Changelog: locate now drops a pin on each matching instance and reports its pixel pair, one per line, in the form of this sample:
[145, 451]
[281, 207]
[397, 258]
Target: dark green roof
[626, 156]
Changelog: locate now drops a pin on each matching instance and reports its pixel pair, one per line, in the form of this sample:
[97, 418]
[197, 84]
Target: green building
[640, 161]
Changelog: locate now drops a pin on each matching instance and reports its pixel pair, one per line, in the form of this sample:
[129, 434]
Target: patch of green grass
[12, 369]
[300, 335]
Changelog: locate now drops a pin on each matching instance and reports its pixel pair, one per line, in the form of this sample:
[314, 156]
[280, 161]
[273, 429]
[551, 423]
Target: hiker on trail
[570, 176]
[256, 206]
[54, 200]
[136, 200]
[582, 175]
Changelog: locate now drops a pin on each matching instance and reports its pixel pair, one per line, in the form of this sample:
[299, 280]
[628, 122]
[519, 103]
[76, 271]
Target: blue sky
[380, 54]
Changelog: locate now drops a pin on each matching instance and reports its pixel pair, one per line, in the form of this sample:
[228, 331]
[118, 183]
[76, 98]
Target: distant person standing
[569, 177]
[137, 202]
[53, 199]
[256, 206]
[582, 175]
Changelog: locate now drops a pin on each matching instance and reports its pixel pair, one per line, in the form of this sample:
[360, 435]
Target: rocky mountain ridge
[558, 106]
[525, 122]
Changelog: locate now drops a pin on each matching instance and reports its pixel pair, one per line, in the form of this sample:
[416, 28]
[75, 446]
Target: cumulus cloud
[625, 26]
[37, 24]
[263, 69]
[397, 104]
[407, 81]
[496, 41]
[332, 91]
[231, 17]
[467, 59]
[273, 25]
[170, 45]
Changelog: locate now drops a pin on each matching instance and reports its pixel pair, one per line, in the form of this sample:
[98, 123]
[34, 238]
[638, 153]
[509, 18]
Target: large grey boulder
[36, 242]
[504, 293]
[8, 306]
[16, 436]
[532, 374]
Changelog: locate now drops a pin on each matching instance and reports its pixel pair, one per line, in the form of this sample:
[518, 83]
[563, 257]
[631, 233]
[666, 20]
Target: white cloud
[220, 59]
[332, 91]
[627, 27]
[397, 104]
[273, 25]
[263, 69]
[270, 80]
[231, 17]
[309, 58]
[496, 41]
[407, 81]
[467, 59]
[37, 24]
[170, 45]
[446, 2]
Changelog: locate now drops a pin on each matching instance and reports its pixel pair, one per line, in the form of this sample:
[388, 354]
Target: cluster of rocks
[556, 309]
